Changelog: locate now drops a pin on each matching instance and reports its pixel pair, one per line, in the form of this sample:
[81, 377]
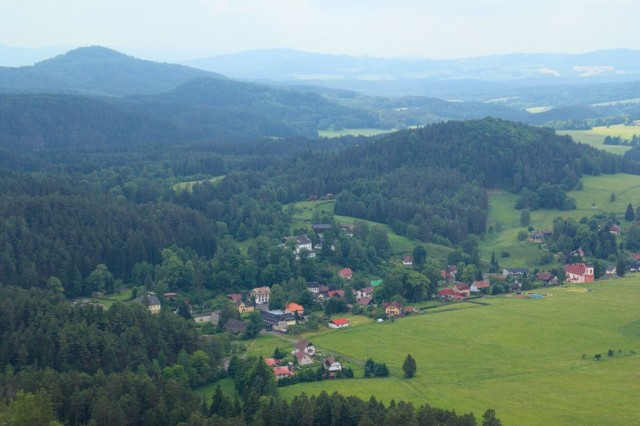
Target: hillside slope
[97, 70]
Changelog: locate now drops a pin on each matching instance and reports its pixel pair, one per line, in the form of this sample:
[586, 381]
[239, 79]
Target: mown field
[531, 360]
[594, 198]
[595, 136]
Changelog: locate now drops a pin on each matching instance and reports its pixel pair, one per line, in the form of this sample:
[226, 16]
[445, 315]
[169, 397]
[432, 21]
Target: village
[327, 301]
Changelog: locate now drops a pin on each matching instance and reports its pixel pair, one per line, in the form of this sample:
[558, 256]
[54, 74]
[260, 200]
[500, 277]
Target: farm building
[339, 323]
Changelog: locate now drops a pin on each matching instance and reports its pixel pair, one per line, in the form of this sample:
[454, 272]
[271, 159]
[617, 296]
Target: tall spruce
[409, 367]
[629, 215]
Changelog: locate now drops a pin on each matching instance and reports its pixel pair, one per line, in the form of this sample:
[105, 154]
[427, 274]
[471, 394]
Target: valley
[165, 228]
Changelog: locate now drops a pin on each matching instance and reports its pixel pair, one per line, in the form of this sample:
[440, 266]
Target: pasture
[595, 136]
[594, 198]
[352, 132]
[531, 360]
[303, 217]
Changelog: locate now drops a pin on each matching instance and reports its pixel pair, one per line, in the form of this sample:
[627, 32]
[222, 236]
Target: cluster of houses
[578, 272]
[305, 353]
[280, 320]
[300, 243]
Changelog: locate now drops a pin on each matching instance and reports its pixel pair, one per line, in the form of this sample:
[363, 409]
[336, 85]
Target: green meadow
[594, 198]
[188, 186]
[595, 136]
[121, 296]
[400, 246]
[351, 132]
[531, 360]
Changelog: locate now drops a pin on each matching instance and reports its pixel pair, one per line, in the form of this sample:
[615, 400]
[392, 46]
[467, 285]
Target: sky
[188, 29]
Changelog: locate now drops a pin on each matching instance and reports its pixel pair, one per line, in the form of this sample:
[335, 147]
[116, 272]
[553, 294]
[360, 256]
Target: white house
[261, 294]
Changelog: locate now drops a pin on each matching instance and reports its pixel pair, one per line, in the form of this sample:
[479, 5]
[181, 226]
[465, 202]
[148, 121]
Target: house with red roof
[339, 323]
[336, 293]
[235, 297]
[170, 296]
[446, 293]
[345, 273]
[545, 276]
[271, 362]
[282, 372]
[479, 286]
[407, 261]
[364, 301]
[461, 289]
[579, 273]
[449, 273]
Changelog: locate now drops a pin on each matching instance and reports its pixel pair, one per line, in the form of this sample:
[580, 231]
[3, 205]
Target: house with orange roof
[282, 372]
[292, 308]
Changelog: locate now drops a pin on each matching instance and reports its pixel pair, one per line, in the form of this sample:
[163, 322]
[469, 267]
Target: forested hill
[491, 152]
[41, 122]
[249, 110]
[430, 183]
[202, 110]
[99, 71]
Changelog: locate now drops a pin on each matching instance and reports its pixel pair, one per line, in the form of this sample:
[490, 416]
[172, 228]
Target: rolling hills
[98, 71]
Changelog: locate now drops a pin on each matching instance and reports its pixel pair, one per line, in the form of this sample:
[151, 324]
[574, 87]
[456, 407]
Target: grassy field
[109, 299]
[621, 102]
[400, 246]
[226, 385]
[538, 110]
[351, 132]
[595, 136]
[188, 186]
[531, 360]
[594, 198]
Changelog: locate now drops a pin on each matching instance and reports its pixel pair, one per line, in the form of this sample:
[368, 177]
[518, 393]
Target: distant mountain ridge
[399, 76]
[98, 71]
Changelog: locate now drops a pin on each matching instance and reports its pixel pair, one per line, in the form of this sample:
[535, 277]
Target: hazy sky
[426, 28]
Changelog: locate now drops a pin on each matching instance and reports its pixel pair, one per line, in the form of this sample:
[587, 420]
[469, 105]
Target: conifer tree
[630, 214]
[409, 367]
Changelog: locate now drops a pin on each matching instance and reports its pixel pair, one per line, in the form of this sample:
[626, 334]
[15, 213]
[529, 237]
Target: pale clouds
[437, 29]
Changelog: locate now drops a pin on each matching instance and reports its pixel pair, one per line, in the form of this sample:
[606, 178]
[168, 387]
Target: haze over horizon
[192, 29]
